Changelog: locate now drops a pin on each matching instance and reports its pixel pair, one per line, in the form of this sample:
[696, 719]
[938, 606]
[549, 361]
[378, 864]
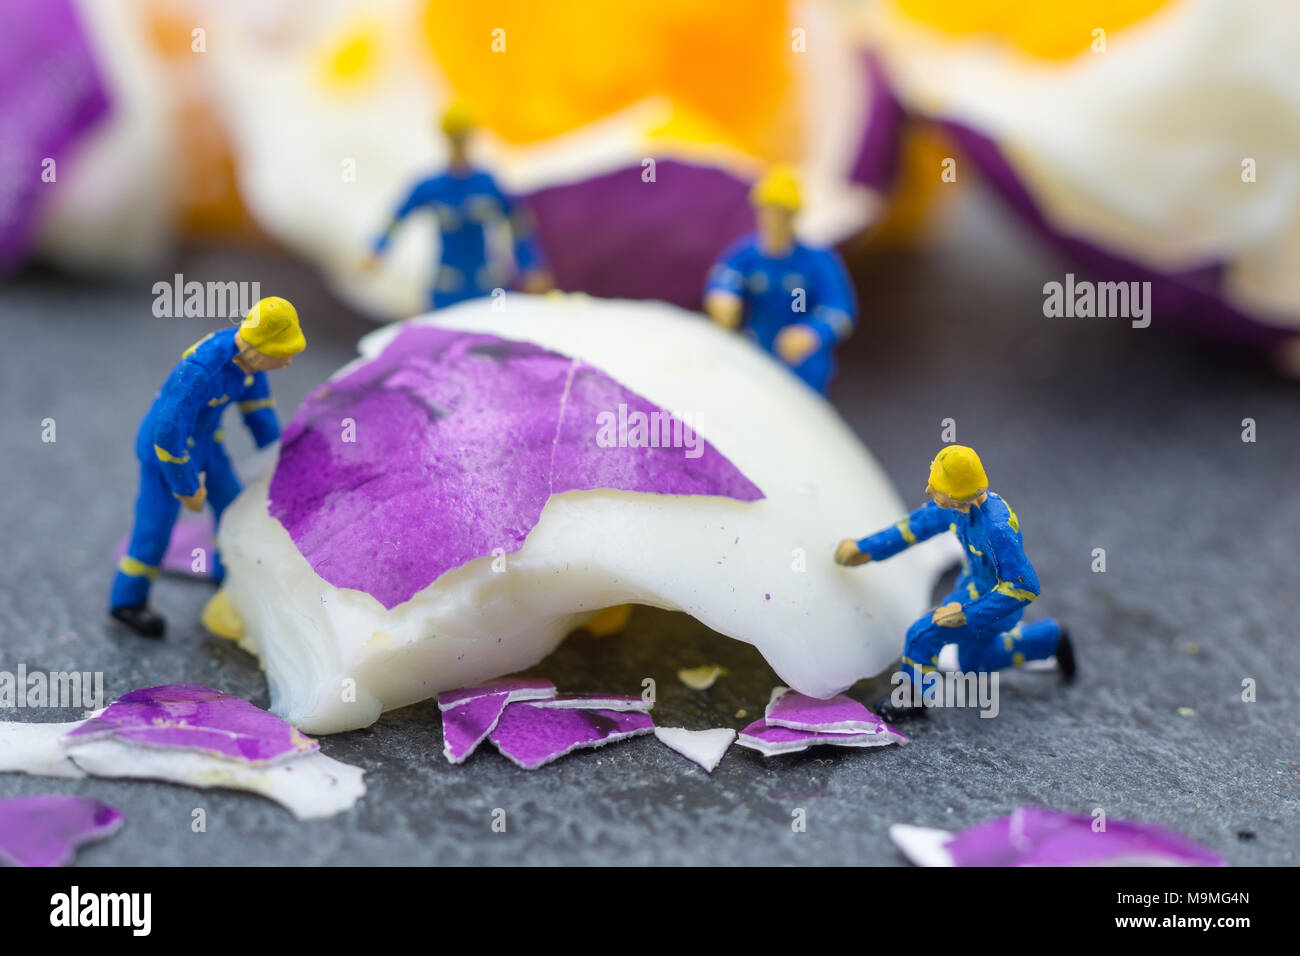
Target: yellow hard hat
[272, 328]
[957, 472]
[457, 120]
[779, 187]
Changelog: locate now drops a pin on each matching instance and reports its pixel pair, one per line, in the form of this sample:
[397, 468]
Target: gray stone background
[1100, 435]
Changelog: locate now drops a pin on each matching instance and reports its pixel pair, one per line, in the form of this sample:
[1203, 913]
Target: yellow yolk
[352, 59]
[536, 70]
[1045, 28]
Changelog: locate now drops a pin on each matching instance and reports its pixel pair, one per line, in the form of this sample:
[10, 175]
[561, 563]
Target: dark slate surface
[1100, 435]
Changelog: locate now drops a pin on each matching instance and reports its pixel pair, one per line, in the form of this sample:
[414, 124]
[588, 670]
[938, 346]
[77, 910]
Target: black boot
[1065, 657]
[139, 618]
[891, 713]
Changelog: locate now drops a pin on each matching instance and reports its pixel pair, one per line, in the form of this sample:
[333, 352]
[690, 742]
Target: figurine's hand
[794, 343]
[848, 554]
[949, 615]
[725, 308]
[195, 501]
[537, 282]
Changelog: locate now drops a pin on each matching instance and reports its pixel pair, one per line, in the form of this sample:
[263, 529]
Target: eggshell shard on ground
[532, 735]
[835, 715]
[771, 741]
[1037, 836]
[758, 569]
[620, 702]
[467, 724]
[704, 747]
[190, 735]
[515, 688]
[46, 829]
[191, 717]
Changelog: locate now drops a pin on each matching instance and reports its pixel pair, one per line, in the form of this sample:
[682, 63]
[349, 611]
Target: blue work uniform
[181, 437]
[769, 288]
[995, 586]
[468, 204]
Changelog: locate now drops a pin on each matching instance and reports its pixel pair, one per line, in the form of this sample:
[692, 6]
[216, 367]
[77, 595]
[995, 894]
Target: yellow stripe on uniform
[136, 568]
[1011, 518]
[1011, 591]
[214, 402]
[219, 434]
[925, 668]
[256, 405]
[905, 530]
[195, 347]
[973, 551]
[972, 590]
[165, 456]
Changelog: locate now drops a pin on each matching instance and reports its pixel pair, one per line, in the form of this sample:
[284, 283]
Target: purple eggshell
[51, 95]
[661, 244]
[620, 702]
[461, 438]
[771, 741]
[47, 829]
[192, 717]
[835, 715]
[516, 688]
[1037, 836]
[464, 727]
[531, 735]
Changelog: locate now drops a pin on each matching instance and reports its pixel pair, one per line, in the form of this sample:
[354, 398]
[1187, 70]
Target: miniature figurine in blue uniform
[179, 444]
[795, 300]
[469, 205]
[982, 614]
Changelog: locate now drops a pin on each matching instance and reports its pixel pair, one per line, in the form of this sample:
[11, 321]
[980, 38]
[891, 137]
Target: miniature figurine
[468, 203]
[795, 300]
[179, 444]
[982, 614]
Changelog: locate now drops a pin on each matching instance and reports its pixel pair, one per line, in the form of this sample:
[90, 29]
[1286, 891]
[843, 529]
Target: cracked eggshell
[336, 658]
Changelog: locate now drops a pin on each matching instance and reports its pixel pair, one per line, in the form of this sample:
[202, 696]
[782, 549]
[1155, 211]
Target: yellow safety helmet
[958, 473]
[779, 187]
[457, 120]
[272, 328]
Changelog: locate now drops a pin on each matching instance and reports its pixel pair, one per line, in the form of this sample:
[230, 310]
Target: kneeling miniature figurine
[982, 614]
[182, 458]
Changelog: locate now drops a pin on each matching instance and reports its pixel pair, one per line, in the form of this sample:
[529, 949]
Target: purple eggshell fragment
[619, 702]
[188, 534]
[1038, 836]
[47, 829]
[466, 725]
[517, 688]
[643, 252]
[835, 715]
[460, 440]
[771, 741]
[531, 735]
[192, 717]
[51, 96]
